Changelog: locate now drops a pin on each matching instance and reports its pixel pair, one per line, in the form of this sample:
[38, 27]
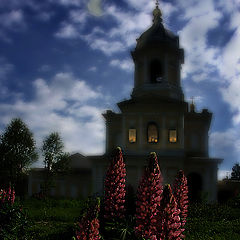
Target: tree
[235, 175]
[17, 151]
[55, 159]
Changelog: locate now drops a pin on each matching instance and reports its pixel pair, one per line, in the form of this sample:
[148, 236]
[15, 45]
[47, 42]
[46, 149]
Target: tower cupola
[158, 58]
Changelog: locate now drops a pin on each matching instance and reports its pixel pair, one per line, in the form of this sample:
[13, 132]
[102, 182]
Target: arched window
[152, 133]
[156, 71]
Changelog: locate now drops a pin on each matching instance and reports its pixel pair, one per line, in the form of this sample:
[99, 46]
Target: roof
[157, 33]
[78, 160]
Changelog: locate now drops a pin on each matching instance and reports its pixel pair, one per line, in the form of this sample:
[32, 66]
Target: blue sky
[64, 62]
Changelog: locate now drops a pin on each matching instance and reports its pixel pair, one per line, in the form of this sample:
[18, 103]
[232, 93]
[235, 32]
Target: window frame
[149, 124]
[129, 135]
[172, 129]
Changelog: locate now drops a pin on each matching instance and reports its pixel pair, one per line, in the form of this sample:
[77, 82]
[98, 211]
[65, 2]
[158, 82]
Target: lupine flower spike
[148, 200]
[7, 197]
[180, 190]
[168, 217]
[115, 191]
[88, 227]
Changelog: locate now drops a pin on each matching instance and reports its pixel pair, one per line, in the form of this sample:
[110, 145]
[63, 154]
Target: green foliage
[54, 219]
[14, 222]
[120, 230]
[235, 175]
[213, 221]
[17, 151]
[52, 149]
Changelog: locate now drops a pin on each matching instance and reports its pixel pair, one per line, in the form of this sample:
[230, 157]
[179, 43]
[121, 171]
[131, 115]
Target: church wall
[74, 185]
[164, 122]
[196, 137]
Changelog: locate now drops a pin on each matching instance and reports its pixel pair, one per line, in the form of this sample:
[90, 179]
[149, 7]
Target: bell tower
[158, 58]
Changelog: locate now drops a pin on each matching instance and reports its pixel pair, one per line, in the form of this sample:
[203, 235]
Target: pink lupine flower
[115, 191]
[180, 190]
[88, 227]
[148, 200]
[7, 197]
[169, 226]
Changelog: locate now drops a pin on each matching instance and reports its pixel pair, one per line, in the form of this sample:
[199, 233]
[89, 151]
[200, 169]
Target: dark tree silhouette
[55, 160]
[17, 152]
[235, 175]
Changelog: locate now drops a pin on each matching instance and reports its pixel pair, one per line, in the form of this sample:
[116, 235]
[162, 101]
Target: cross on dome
[157, 14]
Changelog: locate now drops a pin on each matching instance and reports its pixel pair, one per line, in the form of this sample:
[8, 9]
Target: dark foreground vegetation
[53, 219]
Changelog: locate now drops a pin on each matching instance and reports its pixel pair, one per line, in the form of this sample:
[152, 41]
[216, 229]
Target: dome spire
[157, 14]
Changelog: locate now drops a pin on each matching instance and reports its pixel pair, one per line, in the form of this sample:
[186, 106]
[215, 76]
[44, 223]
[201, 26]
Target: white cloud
[92, 69]
[106, 46]
[67, 31]
[65, 104]
[223, 174]
[68, 3]
[229, 69]
[126, 26]
[231, 95]
[226, 144]
[45, 16]
[199, 57]
[12, 20]
[126, 64]
[5, 68]
[44, 68]
[79, 16]
[229, 66]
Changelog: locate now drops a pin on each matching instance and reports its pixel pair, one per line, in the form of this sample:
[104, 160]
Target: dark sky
[64, 62]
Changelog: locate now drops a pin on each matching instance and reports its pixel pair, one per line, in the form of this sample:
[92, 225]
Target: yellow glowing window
[172, 136]
[152, 133]
[132, 135]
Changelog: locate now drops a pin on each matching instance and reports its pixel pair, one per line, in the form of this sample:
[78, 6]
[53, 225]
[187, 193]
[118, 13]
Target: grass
[218, 222]
[54, 219]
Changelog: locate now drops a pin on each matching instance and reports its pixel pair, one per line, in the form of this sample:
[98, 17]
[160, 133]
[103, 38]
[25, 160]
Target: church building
[156, 118]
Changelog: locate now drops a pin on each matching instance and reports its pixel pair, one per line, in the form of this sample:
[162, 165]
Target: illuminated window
[132, 135]
[152, 133]
[172, 136]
